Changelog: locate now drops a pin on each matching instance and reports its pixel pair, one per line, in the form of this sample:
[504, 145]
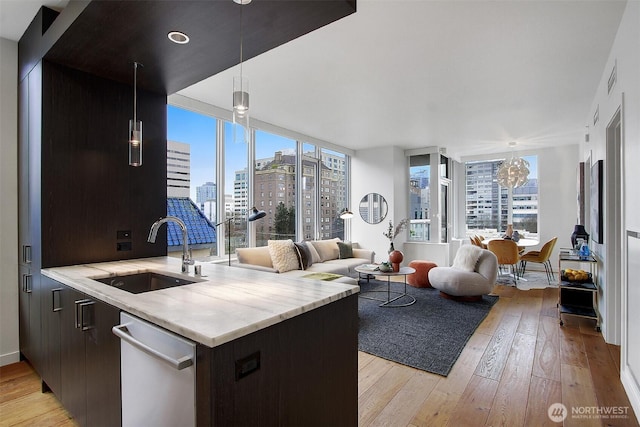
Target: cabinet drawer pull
[86, 315]
[27, 283]
[79, 314]
[55, 307]
[26, 254]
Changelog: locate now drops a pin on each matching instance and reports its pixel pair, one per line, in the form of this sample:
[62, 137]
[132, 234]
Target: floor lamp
[255, 214]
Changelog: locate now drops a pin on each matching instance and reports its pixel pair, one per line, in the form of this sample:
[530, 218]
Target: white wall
[384, 171]
[9, 341]
[625, 54]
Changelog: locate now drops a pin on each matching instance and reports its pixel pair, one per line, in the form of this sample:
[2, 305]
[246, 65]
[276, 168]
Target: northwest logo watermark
[558, 412]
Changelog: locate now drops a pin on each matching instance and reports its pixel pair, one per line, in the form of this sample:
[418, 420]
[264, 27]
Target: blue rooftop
[200, 230]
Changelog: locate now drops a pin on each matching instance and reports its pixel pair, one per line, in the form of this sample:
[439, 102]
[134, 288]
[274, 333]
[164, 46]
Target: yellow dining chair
[542, 256]
[507, 253]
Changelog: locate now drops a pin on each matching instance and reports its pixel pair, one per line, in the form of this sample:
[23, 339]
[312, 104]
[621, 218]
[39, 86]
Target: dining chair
[542, 256]
[507, 253]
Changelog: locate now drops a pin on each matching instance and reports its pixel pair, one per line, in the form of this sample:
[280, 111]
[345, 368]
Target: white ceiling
[16, 15]
[470, 76]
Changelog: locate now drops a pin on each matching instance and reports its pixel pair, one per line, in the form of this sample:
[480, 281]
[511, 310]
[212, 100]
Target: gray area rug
[427, 335]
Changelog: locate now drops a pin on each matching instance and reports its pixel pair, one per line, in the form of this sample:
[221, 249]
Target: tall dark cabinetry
[29, 131]
[76, 191]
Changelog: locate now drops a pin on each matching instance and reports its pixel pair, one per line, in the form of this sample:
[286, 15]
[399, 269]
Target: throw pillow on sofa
[467, 257]
[327, 249]
[304, 255]
[255, 256]
[345, 250]
[283, 255]
[315, 257]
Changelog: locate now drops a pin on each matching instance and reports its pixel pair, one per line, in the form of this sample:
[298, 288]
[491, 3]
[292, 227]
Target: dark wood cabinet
[51, 305]
[302, 371]
[29, 130]
[29, 317]
[66, 130]
[82, 355]
[72, 357]
[102, 367]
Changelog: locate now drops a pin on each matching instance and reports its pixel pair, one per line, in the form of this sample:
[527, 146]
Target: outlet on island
[123, 246]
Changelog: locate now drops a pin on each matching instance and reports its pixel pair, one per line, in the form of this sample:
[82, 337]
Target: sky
[199, 131]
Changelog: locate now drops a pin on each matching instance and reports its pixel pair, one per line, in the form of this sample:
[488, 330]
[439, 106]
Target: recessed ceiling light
[242, 1]
[178, 37]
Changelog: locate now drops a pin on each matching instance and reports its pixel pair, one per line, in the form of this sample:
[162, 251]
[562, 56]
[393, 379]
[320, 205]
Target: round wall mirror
[373, 208]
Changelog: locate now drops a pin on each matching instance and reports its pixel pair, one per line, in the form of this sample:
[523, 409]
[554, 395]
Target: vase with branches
[392, 232]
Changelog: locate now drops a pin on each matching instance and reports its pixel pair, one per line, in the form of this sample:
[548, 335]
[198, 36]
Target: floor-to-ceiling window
[419, 197]
[191, 178]
[490, 207]
[429, 197]
[236, 187]
[333, 185]
[262, 169]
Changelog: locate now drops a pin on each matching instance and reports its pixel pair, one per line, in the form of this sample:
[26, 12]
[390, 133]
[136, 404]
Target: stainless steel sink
[138, 283]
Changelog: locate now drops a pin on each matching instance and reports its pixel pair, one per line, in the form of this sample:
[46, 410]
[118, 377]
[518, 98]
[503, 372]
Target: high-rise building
[275, 183]
[487, 202]
[206, 199]
[178, 169]
[206, 192]
[240, 193]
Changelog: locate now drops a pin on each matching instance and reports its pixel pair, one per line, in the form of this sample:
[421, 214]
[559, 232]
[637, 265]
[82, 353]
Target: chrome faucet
[187, 260]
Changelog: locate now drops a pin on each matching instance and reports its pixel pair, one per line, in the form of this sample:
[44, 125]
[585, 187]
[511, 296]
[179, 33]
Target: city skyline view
[199, 131]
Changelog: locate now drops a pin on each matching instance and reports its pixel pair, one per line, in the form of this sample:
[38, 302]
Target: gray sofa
[326, 259]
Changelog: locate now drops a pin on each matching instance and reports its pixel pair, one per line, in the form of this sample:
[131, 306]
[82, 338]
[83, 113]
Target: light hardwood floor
[517, 363]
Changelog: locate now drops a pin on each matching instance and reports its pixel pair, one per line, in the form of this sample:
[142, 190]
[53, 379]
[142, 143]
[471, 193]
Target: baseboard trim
[631, 387]
[9, 358]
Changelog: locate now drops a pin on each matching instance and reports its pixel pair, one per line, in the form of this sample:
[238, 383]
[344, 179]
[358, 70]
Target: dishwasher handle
[122, 332]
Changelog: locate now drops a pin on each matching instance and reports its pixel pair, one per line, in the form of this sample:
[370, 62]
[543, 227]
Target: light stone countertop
[227, 302]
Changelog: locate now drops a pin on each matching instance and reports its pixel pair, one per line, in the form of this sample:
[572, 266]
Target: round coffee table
[392, 296]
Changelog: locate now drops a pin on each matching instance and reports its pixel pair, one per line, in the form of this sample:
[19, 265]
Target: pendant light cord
[135, 90]
[241, 40]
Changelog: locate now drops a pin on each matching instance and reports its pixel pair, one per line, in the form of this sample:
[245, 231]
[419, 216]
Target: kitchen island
[305, 332]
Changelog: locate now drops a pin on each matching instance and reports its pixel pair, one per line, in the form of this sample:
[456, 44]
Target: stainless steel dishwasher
[158, 375]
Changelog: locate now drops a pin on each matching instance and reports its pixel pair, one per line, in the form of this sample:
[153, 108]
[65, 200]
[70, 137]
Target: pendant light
[241, 94]
[135, 126]
[514, 172]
